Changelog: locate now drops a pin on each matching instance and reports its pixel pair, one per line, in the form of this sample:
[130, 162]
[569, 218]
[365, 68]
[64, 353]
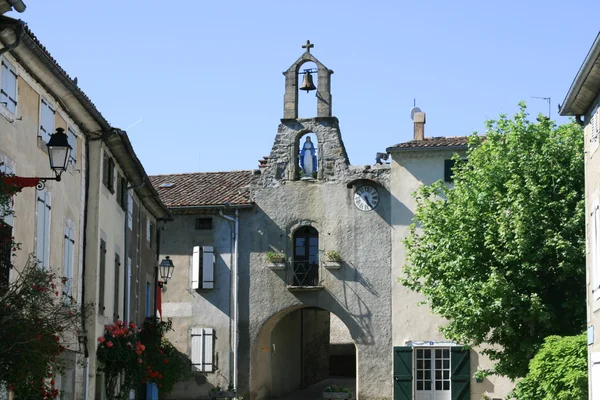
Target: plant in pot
[333, 259]
[336, 392]
[276, 259]
[219, 393]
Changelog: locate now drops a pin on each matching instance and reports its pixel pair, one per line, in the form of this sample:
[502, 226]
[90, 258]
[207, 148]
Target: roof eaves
[394, 149]
[33, 44]
[146, 190]
[580, 78]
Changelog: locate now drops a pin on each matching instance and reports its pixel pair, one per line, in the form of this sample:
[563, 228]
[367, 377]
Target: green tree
[557, 372]
[503, 257]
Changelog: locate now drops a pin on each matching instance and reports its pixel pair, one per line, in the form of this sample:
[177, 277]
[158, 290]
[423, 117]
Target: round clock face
[366, 198]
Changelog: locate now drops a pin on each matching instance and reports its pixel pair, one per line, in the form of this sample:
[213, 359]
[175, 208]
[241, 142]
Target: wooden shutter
[202, 349]
[208, 267]
[43, 228]
[595, 250]
[403, 380]
[47, 125]
[197, 347]
[8, 93]
[68, 262]
[117, 286]
[48, 209]
[208, 349]
[196, 267]
[102, 277]
[72, 137]
[460, 374]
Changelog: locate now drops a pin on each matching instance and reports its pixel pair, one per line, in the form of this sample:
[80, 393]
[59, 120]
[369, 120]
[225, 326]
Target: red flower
[166, 361]
[109, 344]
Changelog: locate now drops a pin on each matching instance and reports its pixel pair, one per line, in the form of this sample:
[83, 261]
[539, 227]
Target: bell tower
[290, 100]
[308, 150]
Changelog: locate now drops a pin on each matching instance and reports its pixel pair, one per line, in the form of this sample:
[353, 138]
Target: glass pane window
[432, 370]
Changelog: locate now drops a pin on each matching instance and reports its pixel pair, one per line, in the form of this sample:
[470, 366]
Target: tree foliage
[557, 372]
[503, 257]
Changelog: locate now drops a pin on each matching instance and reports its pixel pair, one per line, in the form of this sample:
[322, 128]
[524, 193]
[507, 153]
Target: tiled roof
[58, 70]
[203, 188]
[433, 142]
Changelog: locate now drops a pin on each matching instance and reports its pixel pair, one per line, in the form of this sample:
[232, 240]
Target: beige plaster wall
[410, 321]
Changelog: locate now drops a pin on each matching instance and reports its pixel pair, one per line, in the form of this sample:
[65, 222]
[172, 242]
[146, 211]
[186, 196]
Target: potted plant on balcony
[333, 259]
[336, 392]
[219, 393]
[275, 259]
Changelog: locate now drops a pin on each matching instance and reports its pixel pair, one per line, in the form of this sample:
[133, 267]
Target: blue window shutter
[403, 379]
[460, 374]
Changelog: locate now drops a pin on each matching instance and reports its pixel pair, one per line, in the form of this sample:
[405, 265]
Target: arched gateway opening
[299, 352]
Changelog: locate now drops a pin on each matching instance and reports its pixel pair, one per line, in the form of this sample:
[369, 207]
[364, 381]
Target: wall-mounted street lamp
[58, 153]
[166, 270]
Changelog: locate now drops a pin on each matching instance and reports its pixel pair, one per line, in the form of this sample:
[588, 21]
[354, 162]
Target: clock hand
[366, 199]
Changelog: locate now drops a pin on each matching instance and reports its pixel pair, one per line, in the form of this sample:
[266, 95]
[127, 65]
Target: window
[203, 223]
[595, 250]
[148, 229]
[430, 372]
[203, 267]
[129, 209]
[69, 247]
[7, 218]
[117, 287]
[5, 252]
[122, 191]
[8, 92]
[47, 120]
[42, 249]
[595, 375]
[148, 300]
[306, 257]
[202, 349]
[108, 172]
[73, 143]
[594, 125]
[102, 277]
[449, 170]
[433, 370]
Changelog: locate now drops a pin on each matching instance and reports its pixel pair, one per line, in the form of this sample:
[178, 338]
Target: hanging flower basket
[275, 260]
[333, 259]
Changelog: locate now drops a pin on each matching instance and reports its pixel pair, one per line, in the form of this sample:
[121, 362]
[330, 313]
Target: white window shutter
[196, 267]
[48, 209]
[39, 233]
[208, 349]
[197, 342]
[595, 270]
[208, 267]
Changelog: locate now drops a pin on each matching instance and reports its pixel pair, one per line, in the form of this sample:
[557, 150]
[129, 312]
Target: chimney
[419, 119]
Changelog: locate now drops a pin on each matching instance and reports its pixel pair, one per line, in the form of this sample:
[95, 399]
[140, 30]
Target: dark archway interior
[303, 354]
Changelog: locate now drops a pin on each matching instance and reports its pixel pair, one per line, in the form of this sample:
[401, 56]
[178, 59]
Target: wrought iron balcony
[303, 275]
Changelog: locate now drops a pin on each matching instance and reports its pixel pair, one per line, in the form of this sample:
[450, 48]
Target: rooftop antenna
[548, 99]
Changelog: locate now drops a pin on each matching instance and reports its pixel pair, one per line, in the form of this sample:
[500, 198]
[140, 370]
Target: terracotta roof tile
[434, 142]
[203, 188]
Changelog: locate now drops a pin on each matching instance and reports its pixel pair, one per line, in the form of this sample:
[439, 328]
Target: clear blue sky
[205, 77]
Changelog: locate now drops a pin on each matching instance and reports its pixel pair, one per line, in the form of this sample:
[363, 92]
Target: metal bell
[307, 82]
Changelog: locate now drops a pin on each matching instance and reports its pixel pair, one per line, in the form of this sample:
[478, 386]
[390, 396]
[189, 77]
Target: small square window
[203, 223]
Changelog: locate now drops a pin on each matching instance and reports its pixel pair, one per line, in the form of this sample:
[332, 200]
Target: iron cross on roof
[308, 46]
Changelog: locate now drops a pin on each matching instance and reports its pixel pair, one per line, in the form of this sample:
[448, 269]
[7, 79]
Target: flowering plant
[333, 255]
[275, 257]
[36, 327]
[122, 357]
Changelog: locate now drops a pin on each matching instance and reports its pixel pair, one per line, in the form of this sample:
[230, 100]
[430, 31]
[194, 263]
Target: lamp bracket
[42, 183]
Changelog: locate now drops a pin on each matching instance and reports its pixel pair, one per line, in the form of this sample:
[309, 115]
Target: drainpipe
[83, 255]
[234, 274]
[579, 119]
[18, 5]
[19, 34]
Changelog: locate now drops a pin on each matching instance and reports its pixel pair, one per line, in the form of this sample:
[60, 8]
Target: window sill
[305, 288]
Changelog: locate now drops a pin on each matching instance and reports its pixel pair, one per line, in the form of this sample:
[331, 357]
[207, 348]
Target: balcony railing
[303, 275]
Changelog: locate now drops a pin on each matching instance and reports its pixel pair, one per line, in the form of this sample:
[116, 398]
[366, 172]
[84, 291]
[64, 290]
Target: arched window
[306, 257]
